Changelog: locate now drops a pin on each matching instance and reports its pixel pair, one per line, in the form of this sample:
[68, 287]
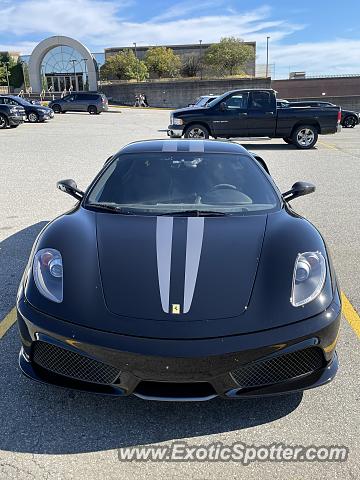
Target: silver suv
[94, 103]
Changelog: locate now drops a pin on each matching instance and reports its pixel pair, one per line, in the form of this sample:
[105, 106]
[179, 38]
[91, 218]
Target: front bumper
[16, 119]
[195, 370]
[175, 131]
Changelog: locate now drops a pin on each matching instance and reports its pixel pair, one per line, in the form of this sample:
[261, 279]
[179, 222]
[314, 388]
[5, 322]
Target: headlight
[308, 278]
[14, 110]
[48, 274]
[178, 121]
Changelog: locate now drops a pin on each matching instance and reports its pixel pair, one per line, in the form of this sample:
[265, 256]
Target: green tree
[14, 68]
[124, 66]
[191, 66]
[163, 62]
[2, 75]
[229, 56]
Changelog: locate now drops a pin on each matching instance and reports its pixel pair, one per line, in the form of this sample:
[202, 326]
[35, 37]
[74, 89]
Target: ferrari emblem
[175, 309]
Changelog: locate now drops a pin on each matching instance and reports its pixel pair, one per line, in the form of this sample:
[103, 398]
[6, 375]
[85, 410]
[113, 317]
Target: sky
[319, 37]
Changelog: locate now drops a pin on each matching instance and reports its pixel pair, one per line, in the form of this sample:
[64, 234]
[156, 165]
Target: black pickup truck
[254, 113]
[11, 116]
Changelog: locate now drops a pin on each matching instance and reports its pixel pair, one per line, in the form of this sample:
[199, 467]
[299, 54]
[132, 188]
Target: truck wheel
[350, 121]
[288, 140]
[196, 131]
[305, 137]
[3, 121]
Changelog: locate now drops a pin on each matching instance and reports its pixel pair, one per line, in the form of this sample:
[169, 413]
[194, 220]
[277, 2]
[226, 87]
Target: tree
[162, 61]
[191, 65]
[2, 75]
[124, 66]
[14, 68]
[230, 55]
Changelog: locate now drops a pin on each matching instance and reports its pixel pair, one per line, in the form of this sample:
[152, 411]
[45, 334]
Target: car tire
[196, 131]
[92, 110]
[56, 108]
[305, 137]
[350, 121]
[3, 121]
[33, 117]
[288, 140]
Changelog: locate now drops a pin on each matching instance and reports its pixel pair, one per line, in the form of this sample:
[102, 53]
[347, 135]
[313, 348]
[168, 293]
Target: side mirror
[222, 106]
[299, 189]
[69, 186]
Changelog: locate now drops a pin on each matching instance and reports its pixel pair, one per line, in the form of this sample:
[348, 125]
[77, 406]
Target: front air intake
[280, 368]
[73, 365]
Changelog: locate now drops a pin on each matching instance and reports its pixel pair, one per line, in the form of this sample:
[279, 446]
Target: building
[14, 55]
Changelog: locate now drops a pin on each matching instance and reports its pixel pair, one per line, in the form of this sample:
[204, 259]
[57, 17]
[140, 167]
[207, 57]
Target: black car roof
[184, 145]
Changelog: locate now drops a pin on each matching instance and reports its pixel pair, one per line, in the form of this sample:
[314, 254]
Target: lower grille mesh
[280, 368]
[72, 364]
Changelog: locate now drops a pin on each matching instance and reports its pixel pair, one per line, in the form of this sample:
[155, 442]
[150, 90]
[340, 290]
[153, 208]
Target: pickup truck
[254, 113]
[11, 116]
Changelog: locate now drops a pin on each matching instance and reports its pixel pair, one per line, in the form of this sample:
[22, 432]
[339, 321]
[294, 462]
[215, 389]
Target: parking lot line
[328, 145]
[350, 314]
[7, 322]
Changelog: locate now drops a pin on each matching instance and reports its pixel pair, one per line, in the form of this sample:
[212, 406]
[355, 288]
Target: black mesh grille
[281, 368]
[72, 364]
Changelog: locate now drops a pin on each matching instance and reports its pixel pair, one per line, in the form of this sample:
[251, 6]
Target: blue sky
[320, 37]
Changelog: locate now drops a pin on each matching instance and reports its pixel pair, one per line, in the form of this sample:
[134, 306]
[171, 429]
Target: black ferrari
[181, 273]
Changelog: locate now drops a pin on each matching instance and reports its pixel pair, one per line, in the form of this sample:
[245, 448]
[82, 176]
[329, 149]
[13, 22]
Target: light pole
[73, 62]
[267, 56]
[137, 66]
[86, 82]
[201, 72]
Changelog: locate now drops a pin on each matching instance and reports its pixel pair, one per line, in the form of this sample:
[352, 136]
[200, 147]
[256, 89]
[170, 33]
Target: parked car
[349, 119]
[181, 273]
[202, 101]
[91, 102]
[11, 116]
[34, 113]
[254, 113]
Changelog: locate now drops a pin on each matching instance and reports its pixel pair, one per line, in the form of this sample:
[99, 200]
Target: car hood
[179, 111]
[162, 268]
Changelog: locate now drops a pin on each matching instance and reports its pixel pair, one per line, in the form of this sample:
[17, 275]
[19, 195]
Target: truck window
[236, 101]
[261, 101]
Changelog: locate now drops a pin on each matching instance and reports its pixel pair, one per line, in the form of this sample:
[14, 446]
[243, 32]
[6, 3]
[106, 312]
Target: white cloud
[339, 56]
[105, 23]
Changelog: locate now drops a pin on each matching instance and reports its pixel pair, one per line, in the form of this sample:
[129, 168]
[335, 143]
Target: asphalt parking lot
[50, 433]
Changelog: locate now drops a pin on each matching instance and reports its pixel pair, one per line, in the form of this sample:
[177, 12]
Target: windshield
[165, 183]
[217, 99]
[22, 101]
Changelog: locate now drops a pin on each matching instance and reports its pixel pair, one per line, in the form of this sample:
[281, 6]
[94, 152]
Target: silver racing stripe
[170, 146]
[196, 146]
[164, 232]
[194, 241]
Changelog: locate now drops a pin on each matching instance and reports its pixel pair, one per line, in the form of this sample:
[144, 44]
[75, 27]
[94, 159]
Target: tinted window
[236, 101]
[261, 101]
[171, 182]
[10, 101]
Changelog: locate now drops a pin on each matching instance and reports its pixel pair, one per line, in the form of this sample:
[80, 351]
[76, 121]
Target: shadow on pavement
[44, 419]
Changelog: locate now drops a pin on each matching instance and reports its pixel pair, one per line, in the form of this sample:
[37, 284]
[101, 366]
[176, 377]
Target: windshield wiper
[194, 213]
[109, 208]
